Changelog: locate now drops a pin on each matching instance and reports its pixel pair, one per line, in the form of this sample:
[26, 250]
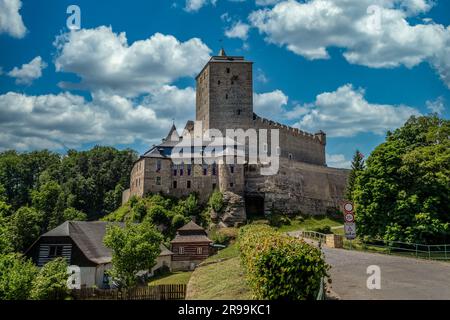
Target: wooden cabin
[190, 246]
[81, 244]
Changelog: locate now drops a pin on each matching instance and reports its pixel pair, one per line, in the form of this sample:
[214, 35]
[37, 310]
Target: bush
[324, 229]
[278, 266]
[216, 201]
[223, 235]
[16, 277]
[278, 220]
[51, 282]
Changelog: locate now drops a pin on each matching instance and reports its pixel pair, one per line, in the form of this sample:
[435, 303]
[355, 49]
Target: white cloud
[266, 2]
[345, 113]
[238, 30]
[270, 104]
[105, 61]
[436, 106]
[310, 28]
[10, 18]
[28, 72]
[260, 76]
[195, 5]
[52, 121]
[338, 161]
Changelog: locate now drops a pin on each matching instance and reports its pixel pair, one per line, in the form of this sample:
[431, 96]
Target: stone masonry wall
[299, 187]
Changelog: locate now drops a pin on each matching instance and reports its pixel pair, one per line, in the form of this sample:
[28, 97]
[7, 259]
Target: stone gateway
[224, 100]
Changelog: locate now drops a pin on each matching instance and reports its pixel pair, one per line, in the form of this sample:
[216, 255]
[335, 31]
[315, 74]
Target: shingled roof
[191, 232]
[88, 236]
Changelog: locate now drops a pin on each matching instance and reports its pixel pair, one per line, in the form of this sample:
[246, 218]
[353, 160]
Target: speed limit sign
[349, 217]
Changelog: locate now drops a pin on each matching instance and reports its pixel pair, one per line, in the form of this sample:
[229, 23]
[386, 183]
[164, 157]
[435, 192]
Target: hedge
[278, 266]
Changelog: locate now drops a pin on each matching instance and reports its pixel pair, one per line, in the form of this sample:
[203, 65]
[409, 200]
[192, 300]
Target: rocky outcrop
[233, 212]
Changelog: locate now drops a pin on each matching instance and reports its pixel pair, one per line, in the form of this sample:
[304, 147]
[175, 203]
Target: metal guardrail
[417, 250]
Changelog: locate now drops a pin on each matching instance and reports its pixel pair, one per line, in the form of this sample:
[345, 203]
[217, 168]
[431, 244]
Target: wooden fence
[160, 292]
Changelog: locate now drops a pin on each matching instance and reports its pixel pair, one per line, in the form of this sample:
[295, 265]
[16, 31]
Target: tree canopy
[403, 193]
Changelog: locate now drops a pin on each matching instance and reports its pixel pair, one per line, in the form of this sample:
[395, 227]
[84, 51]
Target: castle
[224, 100]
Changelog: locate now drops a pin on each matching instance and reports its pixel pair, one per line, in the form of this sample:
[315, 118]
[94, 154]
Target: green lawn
[220, 279]
[311, 223]
[180, 277]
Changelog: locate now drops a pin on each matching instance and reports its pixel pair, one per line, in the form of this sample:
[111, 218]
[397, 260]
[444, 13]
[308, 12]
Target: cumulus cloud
[238, 30]
[345, 113]
[266, 2]
[436, 106]
[195, 5]
[10, 19]
[105, 61]
[270, 104]
[52, 121]
[28, 72]
[373, 33]
[338, 161]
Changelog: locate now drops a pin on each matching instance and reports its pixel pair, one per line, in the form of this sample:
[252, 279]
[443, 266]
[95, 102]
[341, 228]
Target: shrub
[178, 221]
[324, 229]
[278, 266]
[16, 277]
[223, 235]
[51, 282]
[278, 220]
[216, 201]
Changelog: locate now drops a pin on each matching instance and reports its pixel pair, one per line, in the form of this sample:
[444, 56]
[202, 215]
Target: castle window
[231, 168]
[189, 169]
[188, 184]
[214, 186]
[232, 82]
[174, 184]
[238, 112]
[181, 171]
[205, 169]
[228, 70]
[175, 171]
[226, 96]
[214, 169]
[218, 82]
[290, 156]
[158, 181]
[158, 165]
[231, 184]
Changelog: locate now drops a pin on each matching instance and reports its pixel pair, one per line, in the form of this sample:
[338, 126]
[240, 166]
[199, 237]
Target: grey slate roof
[88, 236]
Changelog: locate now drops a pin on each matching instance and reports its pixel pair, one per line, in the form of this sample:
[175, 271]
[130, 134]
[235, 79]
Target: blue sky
[350, 71]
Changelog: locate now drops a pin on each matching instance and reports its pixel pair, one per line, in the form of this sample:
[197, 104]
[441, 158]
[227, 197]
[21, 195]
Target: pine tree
[357, 167]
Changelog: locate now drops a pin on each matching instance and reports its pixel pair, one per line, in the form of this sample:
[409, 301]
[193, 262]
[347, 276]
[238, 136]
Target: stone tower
[225, 93]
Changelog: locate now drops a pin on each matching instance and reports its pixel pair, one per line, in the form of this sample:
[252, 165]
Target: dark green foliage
[25, 227]
[72, 214]
[167, 213]
[324, 229]
[278, 266]
[51, 282]
[216, 201]
[404, 192]
[357, 167]
[134, 248]
[16, 277]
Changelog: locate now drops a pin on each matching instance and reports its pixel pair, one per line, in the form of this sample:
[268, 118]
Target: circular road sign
[348, 207]
[349, 217]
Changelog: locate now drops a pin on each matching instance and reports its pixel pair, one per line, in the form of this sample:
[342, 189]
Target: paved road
[401, 278]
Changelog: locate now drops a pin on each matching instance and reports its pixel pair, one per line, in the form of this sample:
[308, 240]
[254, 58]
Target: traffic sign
[350, 230]
[348, 207]
[349, 217]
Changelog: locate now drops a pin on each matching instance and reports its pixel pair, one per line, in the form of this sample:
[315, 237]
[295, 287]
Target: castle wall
[294, 143]
[299, 188]
[149, 177]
